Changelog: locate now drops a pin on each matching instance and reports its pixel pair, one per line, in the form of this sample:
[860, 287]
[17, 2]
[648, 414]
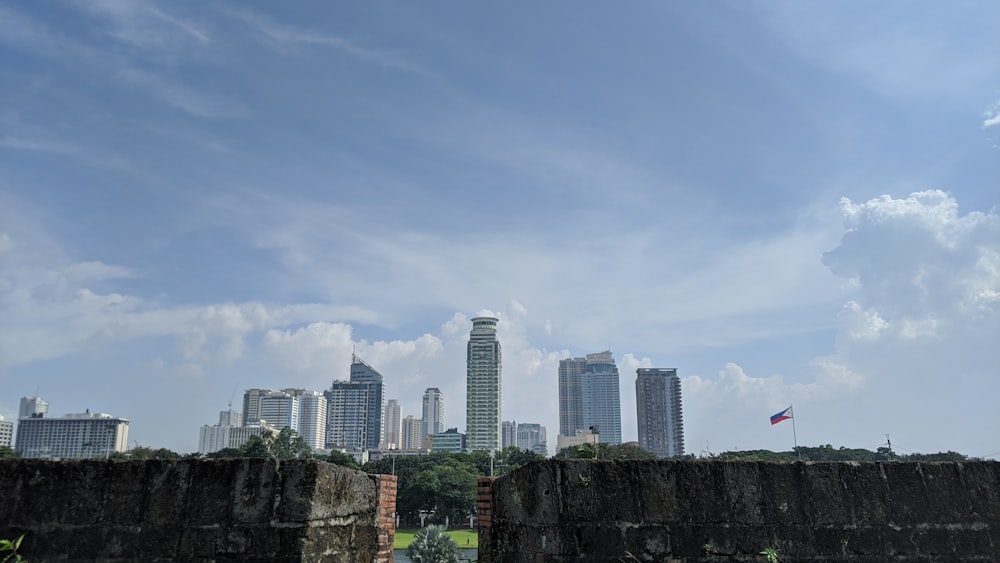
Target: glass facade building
[658, 408]
[590, 397]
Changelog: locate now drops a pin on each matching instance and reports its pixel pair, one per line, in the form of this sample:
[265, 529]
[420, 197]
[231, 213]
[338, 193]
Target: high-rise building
[508, 434]
[393, 425]
[31, 406]
[483, 387]
[589, 397]
[72, 436]
[312, 408]
[412, 434]
[251, 404]
[356, 409]
[226, 435]
[6, 433]
[230, 417]
[658, 408]
[433, 411]
[279, 409]
[531, 436]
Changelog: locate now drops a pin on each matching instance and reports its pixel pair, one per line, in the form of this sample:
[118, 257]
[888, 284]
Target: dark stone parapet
[581, 510]
[195, 510]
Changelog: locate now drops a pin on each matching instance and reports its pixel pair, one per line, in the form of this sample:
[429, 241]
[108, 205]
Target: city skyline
[792, 202]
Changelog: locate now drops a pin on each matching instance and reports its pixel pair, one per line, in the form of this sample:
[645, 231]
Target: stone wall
[191, 510]
[576, 510]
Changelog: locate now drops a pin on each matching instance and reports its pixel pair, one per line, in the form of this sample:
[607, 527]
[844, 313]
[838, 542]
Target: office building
[433, 411]
[589, 397]
[412, 434]
[658, 409]
[483, 387]
[31, 406]
[450, 441]
[6, 433]
[393, 425]
[83, 435]
[356, 409]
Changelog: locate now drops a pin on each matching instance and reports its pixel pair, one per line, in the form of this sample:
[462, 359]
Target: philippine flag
[783, 415]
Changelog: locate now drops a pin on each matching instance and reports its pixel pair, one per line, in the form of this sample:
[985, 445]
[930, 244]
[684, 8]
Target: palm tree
[432, 545]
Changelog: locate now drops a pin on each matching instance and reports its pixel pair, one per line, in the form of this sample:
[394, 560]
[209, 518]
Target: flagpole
[794, 437]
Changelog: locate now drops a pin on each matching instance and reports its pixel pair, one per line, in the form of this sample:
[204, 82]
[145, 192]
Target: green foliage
[614, 452]
[142, 452]
[770, 554]
[432, 545]
[8, 452]
[829, 453]
[340, 458]
[12, 546]
[286, 445]
[512, 457]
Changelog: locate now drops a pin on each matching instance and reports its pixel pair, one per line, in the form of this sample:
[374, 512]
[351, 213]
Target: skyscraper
[589, 397]
[531, 436]
[31, 406]
[312, 416]
[393, 425]
[433, 411]
[356, 409]
[413, 433]
[279, 409]
[658, 408]
[508, 433]
[251, 404]
[483, 386]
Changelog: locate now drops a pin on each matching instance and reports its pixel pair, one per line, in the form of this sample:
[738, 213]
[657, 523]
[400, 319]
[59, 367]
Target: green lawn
[405, 537]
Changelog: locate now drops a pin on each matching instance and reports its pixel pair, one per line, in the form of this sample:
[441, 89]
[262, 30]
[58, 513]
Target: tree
[433, 545]
[257, 446]
[616, 452]
[288, 444]
[8, 452]
[512, 457]
[340, 458]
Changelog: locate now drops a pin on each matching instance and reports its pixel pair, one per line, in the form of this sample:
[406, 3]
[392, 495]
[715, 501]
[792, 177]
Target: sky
[792, 203]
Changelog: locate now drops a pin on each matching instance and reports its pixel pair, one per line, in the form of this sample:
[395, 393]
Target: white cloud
[992, 116]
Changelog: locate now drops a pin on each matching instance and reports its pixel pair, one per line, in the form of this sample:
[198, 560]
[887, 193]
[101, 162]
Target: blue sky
[789, 202]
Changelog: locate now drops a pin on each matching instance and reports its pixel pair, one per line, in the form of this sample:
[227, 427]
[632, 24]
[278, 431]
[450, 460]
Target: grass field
[405, 537]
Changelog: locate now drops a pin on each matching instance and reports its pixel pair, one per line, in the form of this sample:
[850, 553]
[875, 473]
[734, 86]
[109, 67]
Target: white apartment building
[393, 425]
[433, 411]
